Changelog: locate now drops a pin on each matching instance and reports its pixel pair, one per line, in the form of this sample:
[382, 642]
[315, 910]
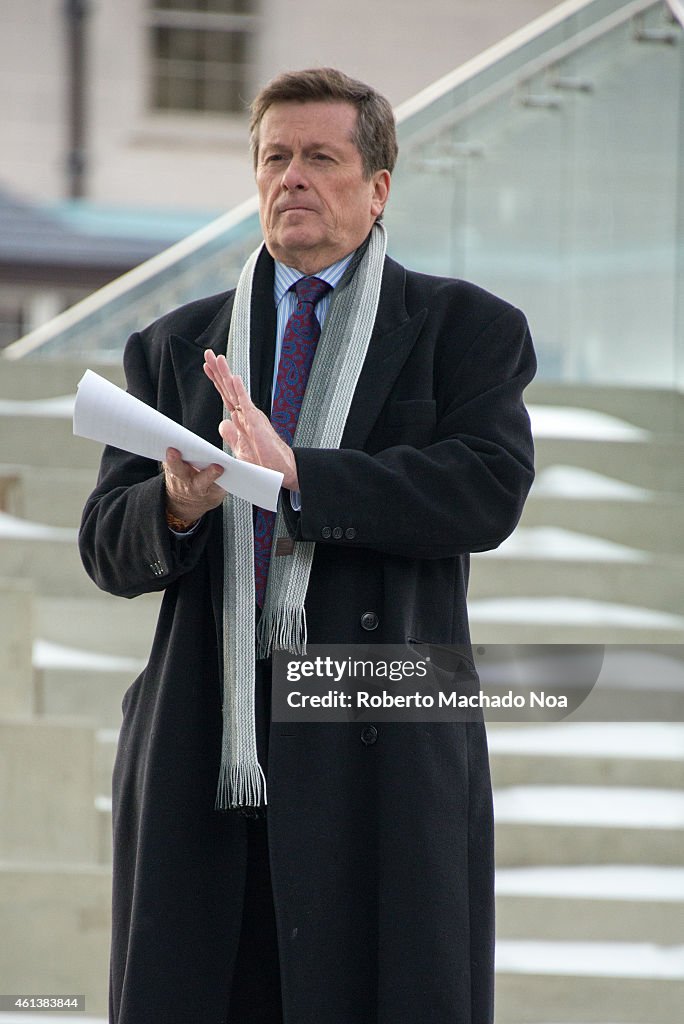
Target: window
[200, 54]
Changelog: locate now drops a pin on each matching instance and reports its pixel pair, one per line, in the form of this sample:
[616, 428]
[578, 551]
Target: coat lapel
[200, 402]
[393, 338]
[201, 405]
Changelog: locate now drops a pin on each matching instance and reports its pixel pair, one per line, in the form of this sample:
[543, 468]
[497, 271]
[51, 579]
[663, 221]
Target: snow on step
[638, 883]
[593, 959]
[578, 484]
[653, 740]
[61, 407]
[44, 1018]
[597, 806]
[557, 421]
[47, 655]
[552, 542]
[13, 528]
[570, 611]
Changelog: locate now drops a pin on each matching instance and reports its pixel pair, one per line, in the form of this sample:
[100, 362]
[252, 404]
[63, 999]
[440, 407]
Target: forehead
[308, 123]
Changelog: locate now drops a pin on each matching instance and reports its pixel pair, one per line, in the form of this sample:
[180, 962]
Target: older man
[307, 873]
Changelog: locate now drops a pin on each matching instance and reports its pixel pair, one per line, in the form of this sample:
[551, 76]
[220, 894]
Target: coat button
[326, 533]
[350, 533]
[369, 621]
[338, 533]
[369, 735]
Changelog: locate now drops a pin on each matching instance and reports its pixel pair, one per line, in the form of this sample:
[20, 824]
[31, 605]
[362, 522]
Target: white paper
[105, 413]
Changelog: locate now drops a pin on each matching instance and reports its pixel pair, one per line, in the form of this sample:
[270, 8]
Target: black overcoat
[381, 852]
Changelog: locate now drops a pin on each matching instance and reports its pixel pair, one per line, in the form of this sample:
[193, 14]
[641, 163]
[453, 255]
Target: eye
[273, 158]
[321, 156]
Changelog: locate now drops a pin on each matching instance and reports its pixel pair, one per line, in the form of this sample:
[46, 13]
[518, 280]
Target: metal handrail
[677, 8]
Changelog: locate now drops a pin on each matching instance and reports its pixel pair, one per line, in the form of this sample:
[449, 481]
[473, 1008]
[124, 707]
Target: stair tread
[574, 483]
[571, 611]
[559, 544]
[624, 882]
[597, 959]
[15, 528]
[59, 407]
[603, 807]
[47, 654]
[573, 423]
[633, 740]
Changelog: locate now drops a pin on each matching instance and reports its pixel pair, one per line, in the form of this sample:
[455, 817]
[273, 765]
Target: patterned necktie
[302, 332]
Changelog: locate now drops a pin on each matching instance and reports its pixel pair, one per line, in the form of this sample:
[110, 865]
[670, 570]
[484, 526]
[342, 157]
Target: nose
[293, 176]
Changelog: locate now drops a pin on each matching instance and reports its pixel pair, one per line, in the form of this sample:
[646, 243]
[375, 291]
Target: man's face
[314, 202]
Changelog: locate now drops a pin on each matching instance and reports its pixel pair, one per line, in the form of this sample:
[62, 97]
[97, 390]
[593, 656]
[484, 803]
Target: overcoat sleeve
[124, 541]
[461, 490]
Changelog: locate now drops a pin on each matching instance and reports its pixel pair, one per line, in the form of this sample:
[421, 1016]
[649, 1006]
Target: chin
[292, 247]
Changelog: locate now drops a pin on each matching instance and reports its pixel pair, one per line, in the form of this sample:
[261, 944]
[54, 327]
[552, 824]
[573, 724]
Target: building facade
[142, 102]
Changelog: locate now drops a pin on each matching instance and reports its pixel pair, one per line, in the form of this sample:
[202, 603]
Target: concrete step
[59, 920]
[108, 625]
[105, 752]
[46, 495]
[26, 1017]
[40, 433]
[537, 619]
[580, 982]
[596, 441]
[81, 684]
[47, 781]
[16, 628]
[656, 525]
[656, 464]
[650, 408]
[602, 683]
[35, 379]
[558, 563]
[557, 825]
[103, 809]
[626, 754]
[597, 903]
[46, 555]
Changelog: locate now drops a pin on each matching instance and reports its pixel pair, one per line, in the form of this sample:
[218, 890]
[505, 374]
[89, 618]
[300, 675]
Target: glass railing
[550, 170]
[559, 186]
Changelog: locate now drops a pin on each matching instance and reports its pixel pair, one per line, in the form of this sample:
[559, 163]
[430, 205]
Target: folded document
[105, 413]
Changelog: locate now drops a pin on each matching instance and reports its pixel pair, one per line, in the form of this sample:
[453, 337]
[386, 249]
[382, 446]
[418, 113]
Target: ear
[381, 191]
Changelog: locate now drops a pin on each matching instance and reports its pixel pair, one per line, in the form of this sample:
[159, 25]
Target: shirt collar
[286, 276]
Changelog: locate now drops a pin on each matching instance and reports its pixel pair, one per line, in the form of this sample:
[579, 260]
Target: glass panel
[678, 103]
[562, 193]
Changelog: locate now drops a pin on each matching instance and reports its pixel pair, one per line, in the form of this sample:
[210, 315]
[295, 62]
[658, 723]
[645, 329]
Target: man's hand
[190, 492]
[248, 432]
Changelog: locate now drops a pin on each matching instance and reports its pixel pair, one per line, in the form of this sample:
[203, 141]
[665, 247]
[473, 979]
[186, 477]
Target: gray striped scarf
[334, 374]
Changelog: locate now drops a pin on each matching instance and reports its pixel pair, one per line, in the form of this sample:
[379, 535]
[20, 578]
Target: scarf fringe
[282, 629]
[240, 785]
